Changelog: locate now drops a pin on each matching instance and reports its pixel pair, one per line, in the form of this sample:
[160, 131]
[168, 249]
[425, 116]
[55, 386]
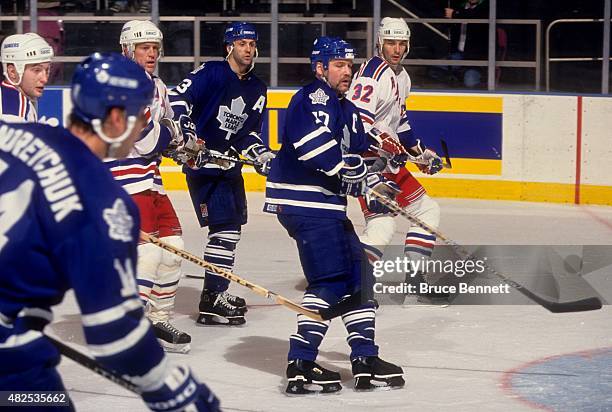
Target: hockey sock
[220, 251]
[360, 325]
[304, 344]
[149, 258]
[164, 290]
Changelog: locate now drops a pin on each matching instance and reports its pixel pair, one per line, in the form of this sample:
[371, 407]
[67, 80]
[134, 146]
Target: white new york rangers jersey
[140, 170]
[15, 106]
[380, 96]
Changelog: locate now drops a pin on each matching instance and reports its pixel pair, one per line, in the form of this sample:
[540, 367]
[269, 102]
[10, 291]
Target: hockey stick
[333, 311]
[412, 159]
[445, 153]
[93, 365]
[221, 156]
[592, 303]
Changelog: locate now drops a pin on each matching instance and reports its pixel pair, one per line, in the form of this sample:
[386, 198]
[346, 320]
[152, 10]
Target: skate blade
[210, 319]
[375, 385]
[312, 389]
[175, 347]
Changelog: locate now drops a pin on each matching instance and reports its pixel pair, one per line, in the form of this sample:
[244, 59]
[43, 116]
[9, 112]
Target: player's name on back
[57, 185]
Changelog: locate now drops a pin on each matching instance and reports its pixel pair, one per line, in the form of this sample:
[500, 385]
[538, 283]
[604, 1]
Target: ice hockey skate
[216, 308]
[372, 373]
[172, 339]
[307, 378]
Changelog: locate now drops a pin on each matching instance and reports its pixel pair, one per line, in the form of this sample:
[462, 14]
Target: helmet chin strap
[114, 143]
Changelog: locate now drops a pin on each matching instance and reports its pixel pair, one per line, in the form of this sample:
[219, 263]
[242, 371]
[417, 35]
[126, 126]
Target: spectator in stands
[469, 41]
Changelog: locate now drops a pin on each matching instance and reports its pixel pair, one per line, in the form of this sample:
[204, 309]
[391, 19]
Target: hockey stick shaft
[92, 365]
[592, 303]
[281, 300]
[221, 156]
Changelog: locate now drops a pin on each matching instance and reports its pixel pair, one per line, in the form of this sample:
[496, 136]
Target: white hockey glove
[353, 175]
[181, 391]
[431, 162]
[382, 186]
[262, 156]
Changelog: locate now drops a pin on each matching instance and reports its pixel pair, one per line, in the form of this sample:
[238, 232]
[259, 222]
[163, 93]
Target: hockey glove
[352, 175]
[431, 162]
[181, 391]
[262, 156]
[386, 142]
[382, 186]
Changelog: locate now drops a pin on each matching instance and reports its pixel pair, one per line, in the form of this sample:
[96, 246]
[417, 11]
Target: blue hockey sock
[360, 325]
[220, 251]
[304, 344]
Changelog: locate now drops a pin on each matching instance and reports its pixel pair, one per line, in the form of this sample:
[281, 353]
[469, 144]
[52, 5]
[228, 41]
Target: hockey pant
[333, 260]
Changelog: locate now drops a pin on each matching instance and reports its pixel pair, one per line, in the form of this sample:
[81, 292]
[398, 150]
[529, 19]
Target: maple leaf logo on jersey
[119, 221]
[319, 97]
[232, 119]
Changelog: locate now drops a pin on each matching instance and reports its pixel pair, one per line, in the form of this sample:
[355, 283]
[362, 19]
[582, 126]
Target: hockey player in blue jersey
[226, 102]
[310, 178]
[26, 63]
[66, 224]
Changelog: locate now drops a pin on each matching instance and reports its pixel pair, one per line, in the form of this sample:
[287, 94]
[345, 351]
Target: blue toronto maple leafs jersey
[226, 110]
[66, 224]
[319, 129]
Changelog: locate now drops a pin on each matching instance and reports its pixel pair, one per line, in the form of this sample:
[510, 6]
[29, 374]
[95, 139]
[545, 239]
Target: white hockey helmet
[393, 29]
[22, 49]
[140, 31]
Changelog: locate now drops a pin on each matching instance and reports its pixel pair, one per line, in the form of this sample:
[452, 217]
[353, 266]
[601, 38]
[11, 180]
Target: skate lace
[223, 301]
[231, 299]
[170, 328]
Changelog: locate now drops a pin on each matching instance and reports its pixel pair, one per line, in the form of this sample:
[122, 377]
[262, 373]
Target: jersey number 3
[13, 205]
[362, 93]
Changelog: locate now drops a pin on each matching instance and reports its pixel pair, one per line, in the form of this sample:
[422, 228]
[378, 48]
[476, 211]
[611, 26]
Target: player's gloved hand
[352, 175]
[179, 391]
[398, 161]
[432, 163]
[382, 186]
[386, 142]
[262, 156]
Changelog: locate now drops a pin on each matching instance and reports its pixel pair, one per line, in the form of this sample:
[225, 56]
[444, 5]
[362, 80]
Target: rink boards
[531, 147]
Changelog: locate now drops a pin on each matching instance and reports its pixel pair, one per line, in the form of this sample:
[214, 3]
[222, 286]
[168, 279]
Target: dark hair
[73, 120]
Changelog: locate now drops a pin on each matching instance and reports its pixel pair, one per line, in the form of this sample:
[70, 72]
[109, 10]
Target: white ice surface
[454, 358]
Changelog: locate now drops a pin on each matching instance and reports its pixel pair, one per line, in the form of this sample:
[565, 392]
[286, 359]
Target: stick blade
[582, 305]
[445, 153]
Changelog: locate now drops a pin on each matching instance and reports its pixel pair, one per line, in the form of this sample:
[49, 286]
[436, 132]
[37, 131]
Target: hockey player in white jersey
[379, 90]
[26, 63]
[158, 271]
[67, 224]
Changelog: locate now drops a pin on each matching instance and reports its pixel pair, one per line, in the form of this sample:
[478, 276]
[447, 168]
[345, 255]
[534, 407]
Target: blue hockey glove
[382, 186]
[352, 175]
[180, 391]
[262, 156]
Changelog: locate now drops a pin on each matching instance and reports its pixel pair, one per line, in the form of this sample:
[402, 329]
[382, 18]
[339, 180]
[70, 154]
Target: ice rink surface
[459, 358]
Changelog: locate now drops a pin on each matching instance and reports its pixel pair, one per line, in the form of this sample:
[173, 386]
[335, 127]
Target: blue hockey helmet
[326, 48]
[239, 30]
[106, 80]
